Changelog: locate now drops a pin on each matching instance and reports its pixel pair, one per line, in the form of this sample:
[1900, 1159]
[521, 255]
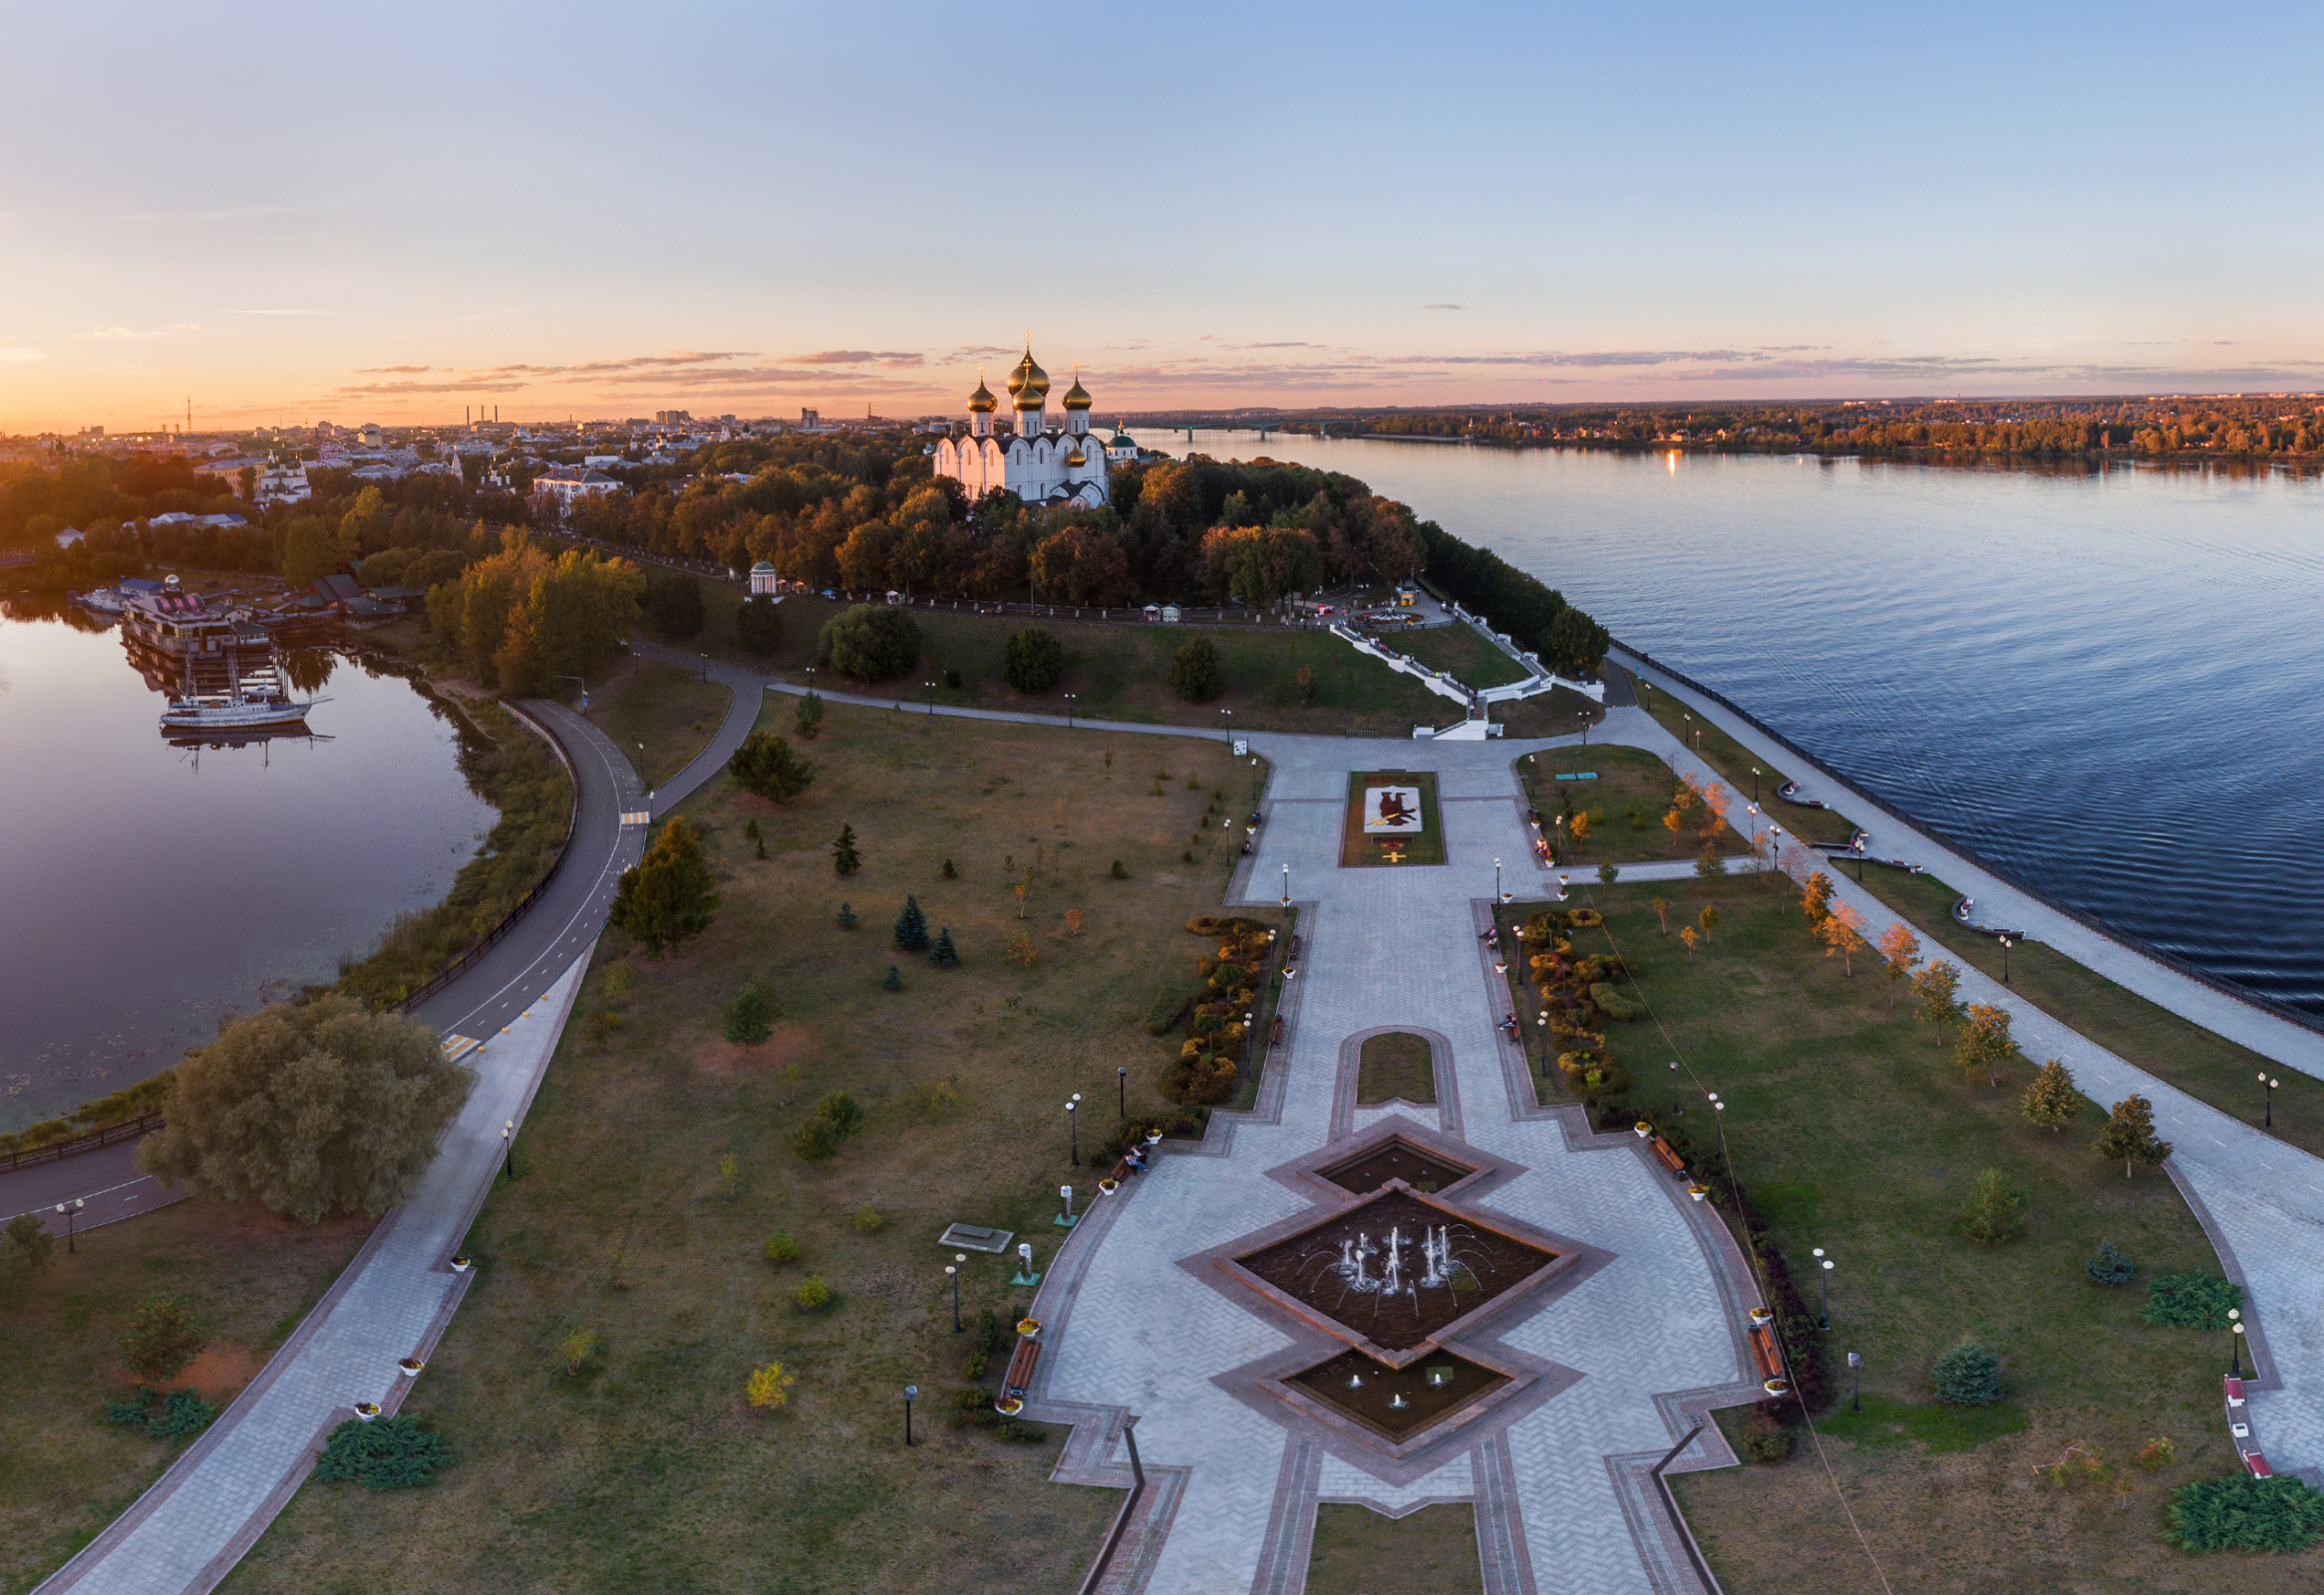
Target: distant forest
[2275, 427]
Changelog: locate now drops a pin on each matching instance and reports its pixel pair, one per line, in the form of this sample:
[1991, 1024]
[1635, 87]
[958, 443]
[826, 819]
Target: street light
[1855, 1374]
[952, 1272]
[1585, 727]
[69, 1212]
[705, 667]
[1675, 1109]
[1775, 844]
[1074, 1126]
[2270, 1086]
[2235, 1346]
[911, 1395]
[1498, 894]
[931, 692]
[1069, 697]
[1824, 1303]
[509, 1147]
[1286, 885]
[1121, 1090]
[1755, 799]
[2005, 944]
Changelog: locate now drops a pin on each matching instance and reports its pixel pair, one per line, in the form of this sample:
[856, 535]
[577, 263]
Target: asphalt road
[500, 986]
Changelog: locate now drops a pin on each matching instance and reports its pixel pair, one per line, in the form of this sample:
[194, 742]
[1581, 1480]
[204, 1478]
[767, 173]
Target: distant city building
[369, 434]
[762, 579]
[568, 483]
[672, 418]
[1039, 464]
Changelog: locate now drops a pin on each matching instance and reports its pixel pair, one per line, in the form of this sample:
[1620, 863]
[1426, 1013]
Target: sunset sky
[385, 212]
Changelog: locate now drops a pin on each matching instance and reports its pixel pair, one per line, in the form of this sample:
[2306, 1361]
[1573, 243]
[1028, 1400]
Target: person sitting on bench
[1136, 1159]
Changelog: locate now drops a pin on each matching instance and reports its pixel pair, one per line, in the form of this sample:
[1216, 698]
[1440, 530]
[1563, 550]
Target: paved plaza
[1644, 1342]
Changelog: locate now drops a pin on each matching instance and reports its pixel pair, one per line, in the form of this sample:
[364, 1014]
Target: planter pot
[1777, 1387]
[1008, 1407]
[366, 1411]
[1108, 1187]
[461, 1265]
[1028, 1327]
[1761, 1316]
[410, 1367]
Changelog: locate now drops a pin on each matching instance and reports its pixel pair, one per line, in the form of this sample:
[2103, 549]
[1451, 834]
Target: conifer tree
[944, 955]
[894, 980]
[844, 859]
[911, 927]
[2130, 1134]
[1967, 1375]
[2052, 1099]
[670, 894]
[807, 721]
[846, 917]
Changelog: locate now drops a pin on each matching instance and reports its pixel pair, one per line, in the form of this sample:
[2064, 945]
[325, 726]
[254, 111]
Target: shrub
[870, 643]
[759, 625]
[894, 980]
[813, 1142]
[1996, 1213]
[1613, 1003]
[1022, 952]
[2242, 1514]
[950, 871]
[845, 918]
[1196, 673]
[2109, 1266]
[1967, 1375]
[944, 955]
[162, 1338]
[1164, 1011]
[750, 1017]
[911, 927]
[1034, 660]
[811, 1295]
[1118, 872]
[768, 1389]
[181, 1414]
[1584, 919]
[807, 721]
[390, 1453]
[779, 1248]
[767, 766]
[2156, 1454]
[842, 1111]
[869, 1221]
[2190, 1300]
[577, 1347]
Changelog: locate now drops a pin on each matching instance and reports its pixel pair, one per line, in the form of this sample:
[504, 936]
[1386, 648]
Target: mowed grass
[1854, 1130]
[64, 1473]
[1559, 712]
[1398, 1064]
[660, 714]
[1460, 652]
[1122, 672]
[1736, 761]
[1625, 805]
[1359, 1551]
[1361, 848]
[2204, 1064]
[645, 1470]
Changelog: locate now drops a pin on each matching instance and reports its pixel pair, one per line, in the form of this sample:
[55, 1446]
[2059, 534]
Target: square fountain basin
[1431, 1390]
[1309, 1268]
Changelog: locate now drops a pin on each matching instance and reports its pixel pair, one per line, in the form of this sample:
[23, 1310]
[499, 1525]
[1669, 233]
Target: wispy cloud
[854, 357]
[393, 370]
[21, 354]
[1444, 307]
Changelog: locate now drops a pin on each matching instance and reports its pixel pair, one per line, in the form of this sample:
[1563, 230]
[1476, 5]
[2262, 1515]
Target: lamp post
[952, 1272]
[1755, 799]
[1543, 1025]
[1719, 1124]
[1775, 844]
[1496, 892]
[2235, 1344]
[69, 1212]
[1675, 1109]
[1286, 885]
[1584, 716]
[1121, 1090]
[1823, 1302]
[1069, 697]
[930, 688]
[1752, 808]
[911, 1395]
[2268, 1086]
[1074, 1126]
[705, 666]
[509, 1147]
[1855, 1376]
[2004, 940]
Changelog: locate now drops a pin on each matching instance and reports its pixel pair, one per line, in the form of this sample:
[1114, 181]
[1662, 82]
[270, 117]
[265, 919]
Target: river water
[2106, 683]
[150, 887]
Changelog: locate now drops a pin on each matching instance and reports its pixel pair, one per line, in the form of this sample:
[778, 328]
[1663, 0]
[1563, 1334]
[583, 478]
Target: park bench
[2256, 1465]
[1668, 1159]
[1291, 953]
[1020, 1373]
[2235, 1394]
[1764, 1352]
[1275, 1032]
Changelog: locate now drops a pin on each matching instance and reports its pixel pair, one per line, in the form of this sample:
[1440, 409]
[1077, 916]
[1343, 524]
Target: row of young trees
[523, 617]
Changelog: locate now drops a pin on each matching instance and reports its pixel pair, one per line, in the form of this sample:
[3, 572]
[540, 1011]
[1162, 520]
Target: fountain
[1397, 1403]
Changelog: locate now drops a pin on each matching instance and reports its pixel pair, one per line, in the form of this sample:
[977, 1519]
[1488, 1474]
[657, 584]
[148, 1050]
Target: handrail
[58, 1150]
[2080, 916]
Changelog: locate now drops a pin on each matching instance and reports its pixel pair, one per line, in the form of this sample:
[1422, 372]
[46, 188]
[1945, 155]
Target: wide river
[151, 888]
[2106, 683]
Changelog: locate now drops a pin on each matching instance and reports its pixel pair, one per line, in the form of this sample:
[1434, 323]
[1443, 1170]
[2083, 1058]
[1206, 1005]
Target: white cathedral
[1040, 464]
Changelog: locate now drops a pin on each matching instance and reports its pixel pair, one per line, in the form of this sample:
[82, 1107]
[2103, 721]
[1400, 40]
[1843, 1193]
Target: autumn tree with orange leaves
[1841, 930]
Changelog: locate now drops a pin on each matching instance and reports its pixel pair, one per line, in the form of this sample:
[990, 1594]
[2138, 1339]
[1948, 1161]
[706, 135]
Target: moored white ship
[253, 699]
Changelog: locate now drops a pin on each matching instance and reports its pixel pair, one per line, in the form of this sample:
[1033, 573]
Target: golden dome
[1077, 396]
[982, 402]
[1029, 384]
[1077, 457]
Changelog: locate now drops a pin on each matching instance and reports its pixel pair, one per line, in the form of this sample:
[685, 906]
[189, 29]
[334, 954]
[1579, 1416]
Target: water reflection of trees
[307, 669]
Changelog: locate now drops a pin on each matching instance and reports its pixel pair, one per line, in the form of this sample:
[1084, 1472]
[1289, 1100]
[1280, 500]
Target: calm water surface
[2107, 684]
[150, 887]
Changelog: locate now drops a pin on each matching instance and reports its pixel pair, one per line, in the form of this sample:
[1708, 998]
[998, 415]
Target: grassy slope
[1471, 660]
[1123, 672]
[644, 1471]
[669, 709]
[1852, 1131]
[64, 1473]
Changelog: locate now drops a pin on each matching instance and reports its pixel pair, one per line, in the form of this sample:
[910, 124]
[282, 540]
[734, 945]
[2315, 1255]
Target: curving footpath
[396, 1298]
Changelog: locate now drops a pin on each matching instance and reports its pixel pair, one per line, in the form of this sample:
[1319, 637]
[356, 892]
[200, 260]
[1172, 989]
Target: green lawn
[1358, 1551]
[646, 1470]
[1122, 672]
[64, 1474]
[1559, 712]
[1735, 762]
[1359, 848]
[661, 714]
[1625, 803]
[1851, 1130]
[1395, 1064]
[1459, 650]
